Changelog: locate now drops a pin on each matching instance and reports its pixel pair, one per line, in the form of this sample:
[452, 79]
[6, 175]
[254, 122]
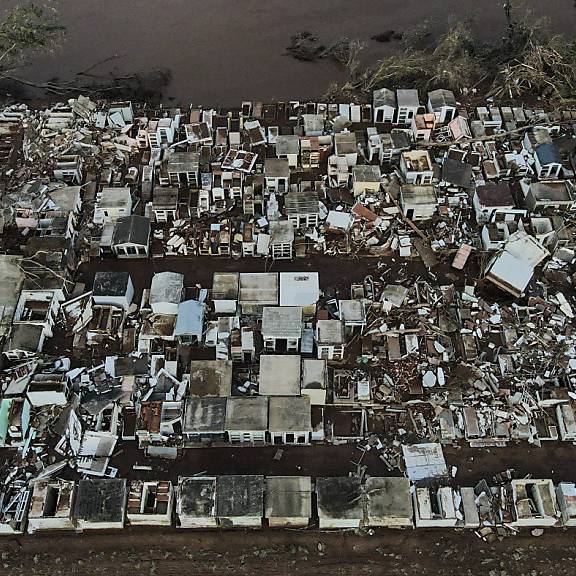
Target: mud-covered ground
[554, 460]
[167, 552]
[335, 273]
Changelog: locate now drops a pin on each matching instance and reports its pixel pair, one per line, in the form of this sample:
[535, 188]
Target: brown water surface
[224, 51]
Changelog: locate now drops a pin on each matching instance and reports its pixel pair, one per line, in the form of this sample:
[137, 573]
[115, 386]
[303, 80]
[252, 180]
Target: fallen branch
[86, 71]
[7, 51]
[69, 87]
[48, 86]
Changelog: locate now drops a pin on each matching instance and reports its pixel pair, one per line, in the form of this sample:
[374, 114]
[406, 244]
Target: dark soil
[166, 552]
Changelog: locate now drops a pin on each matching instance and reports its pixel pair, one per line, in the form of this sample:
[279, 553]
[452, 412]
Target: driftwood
[100, 86]
[86, 71]
[48, 86]
[67, 87]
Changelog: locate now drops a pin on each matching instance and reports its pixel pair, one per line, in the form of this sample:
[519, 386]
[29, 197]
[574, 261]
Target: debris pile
[159, 288]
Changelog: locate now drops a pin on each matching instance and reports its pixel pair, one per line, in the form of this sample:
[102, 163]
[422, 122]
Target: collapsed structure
[138, 304]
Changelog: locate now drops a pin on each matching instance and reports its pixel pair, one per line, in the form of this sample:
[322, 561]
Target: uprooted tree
[453, 62]
[547, 69]
[534, 61]
[528, 59]
[307, 47]
[26, 29]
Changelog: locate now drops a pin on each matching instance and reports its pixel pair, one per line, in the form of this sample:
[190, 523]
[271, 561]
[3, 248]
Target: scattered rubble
[461, 331]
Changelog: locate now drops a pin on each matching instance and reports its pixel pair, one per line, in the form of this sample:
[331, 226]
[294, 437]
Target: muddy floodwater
[224, 51]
